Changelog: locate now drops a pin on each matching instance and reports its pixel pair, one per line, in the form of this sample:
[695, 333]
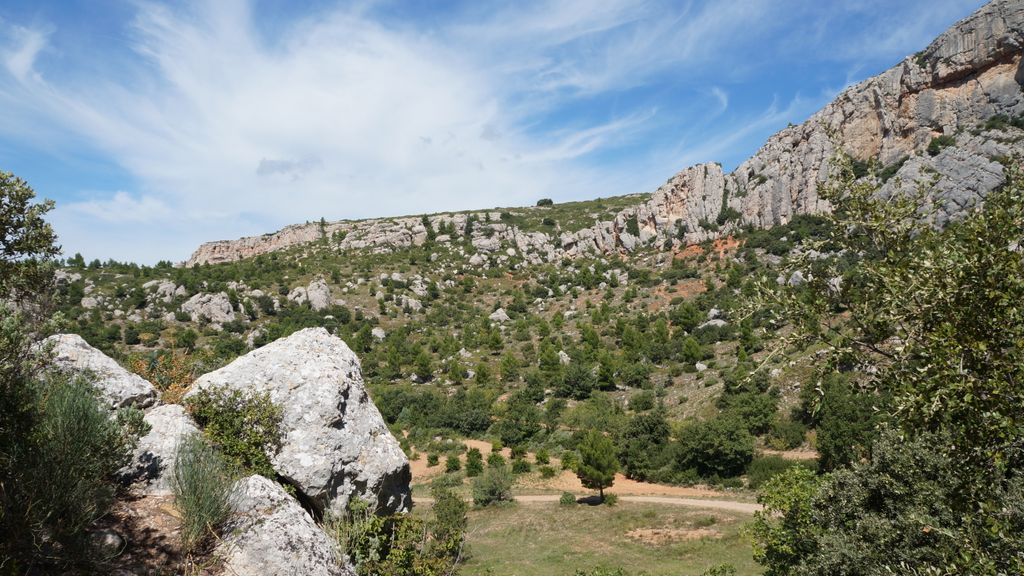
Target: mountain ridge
[966, 76]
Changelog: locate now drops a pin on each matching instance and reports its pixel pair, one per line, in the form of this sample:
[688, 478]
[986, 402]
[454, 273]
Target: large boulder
[335, 445]
[215, 308]
[270, 534]
[318, 294]
[153, 460]
[117, 386]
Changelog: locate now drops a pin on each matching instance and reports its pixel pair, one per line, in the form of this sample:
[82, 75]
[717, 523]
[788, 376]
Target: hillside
[637, 316]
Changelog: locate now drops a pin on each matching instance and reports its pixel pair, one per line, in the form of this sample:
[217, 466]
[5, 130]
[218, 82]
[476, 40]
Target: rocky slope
[968, 75]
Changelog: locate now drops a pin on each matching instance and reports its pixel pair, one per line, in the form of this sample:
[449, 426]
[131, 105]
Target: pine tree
[598, 463]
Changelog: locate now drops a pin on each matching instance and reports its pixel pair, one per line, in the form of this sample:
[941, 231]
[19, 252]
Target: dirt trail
[729, 505]
[565, 480]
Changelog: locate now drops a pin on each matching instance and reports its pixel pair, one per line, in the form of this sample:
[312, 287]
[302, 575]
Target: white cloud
[230, 130]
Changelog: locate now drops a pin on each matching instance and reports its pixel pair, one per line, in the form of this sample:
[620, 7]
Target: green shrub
[611, 499]
[493, 486]
[940, 142]
[721, 446]
[63, 476]
[401, 544]
[202, 491]
[786, 434]
[520, 466]
[764, 468]
[246, 427]
[542, 457]
[474, 462]
[720, 570]
[567, 499]
[433, 459]
[547, 472]
[452, 464]
[495, 460]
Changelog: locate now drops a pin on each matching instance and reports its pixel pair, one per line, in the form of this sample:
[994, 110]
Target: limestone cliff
[969, 74]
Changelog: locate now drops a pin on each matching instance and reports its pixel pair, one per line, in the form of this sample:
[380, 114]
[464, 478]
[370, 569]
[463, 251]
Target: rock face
[271, 535]
[969, 74]
[215, 308]
[153, 461]
[336, 445]
[117, 386]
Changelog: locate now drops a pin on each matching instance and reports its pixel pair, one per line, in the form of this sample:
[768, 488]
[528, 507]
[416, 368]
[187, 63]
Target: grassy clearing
[546, 539]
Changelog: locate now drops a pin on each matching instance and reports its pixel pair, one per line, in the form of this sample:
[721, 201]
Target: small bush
[246, 427]
[940, 142]
[610, 499]
[547, 472]
[567, 499]
[764, 468]
[786, 434]
[542, 457]
[495, 460]
[452, 464]
[720, 570]
[202, 491]
[494, 486]
[432, 460]
[474, 463]
[64, 474]
[520, 466]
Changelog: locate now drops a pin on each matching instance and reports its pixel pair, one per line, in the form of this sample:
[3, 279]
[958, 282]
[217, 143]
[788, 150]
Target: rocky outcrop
[318, 294]
[336, 445]
[153, 460]
[270, 534]
[116, 386]
[213, 308]
[970, 73]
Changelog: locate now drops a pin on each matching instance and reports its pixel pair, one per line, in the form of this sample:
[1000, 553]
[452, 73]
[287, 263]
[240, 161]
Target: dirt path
[730, 505]
[565, 480]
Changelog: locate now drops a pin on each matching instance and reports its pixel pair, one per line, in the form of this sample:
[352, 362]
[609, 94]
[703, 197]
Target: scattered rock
[378, 333]
[563, 358]
[499, 315]
[117, 386]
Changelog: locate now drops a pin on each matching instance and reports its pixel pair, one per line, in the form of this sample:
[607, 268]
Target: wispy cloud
[226, 126]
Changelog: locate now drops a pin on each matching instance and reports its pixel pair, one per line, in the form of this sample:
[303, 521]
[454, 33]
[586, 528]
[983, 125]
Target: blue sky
[157, 126]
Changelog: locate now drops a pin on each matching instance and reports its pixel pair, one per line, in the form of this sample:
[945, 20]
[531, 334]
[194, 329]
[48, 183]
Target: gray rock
[153, 460]
[378, 333]
[117, 386]
[717, 322]
[271, 535]
[499, 315]
[318, 294]
[336, 445]
[563, 358]
[216, 308]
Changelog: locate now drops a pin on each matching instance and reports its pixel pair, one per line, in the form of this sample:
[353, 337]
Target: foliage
[644, 445]
[245, 426]
[494, 486]
[720, 447]
[27, 244]
[401, 544]
[935, 313]
[764, 468]
[567, 499]
[893, 514]
[598, 464]
[474, 463]
[202, 484]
